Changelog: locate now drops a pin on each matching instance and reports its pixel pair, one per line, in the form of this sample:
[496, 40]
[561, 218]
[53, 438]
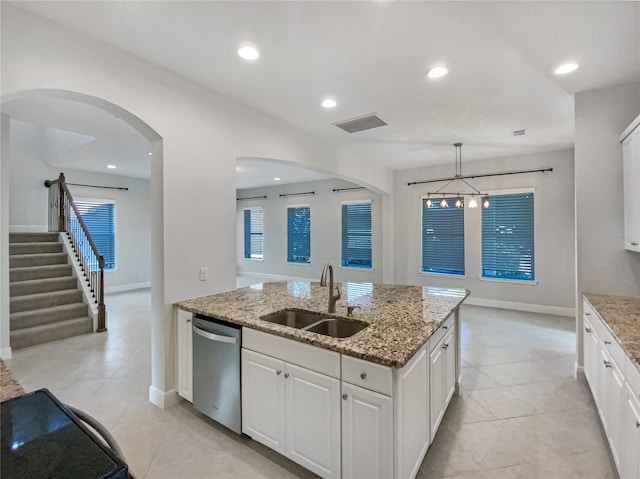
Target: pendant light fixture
[473, 203]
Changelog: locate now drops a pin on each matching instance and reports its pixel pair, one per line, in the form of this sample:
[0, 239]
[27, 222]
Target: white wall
[326, 231]
[202, 134]
[28, 205]
[554, 237]
[5, 347]
[602, 264]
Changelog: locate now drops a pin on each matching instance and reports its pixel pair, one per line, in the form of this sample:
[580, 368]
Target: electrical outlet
[204, 274]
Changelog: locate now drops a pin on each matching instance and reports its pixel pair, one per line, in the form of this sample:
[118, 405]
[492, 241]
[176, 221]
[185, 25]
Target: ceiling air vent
[361, 123]
[519, 132]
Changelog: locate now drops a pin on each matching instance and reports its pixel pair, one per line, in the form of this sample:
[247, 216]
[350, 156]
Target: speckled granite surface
[9, 387]
[401, 317]
[622, 315]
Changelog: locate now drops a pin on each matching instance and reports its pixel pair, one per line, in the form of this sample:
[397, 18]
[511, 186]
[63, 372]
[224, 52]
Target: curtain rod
[542, 170]
[336, 190]
[252, 198]
[98, 186]
[298, 194]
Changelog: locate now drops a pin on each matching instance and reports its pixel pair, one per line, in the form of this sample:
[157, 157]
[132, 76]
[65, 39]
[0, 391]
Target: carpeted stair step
[45, 300]
[37, 317]
[22, 288]
[33, 237]
[23, 260]
[22, 338]
[39, 272]
[34, 248]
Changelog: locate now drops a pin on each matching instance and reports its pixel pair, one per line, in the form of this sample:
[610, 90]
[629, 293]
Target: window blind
[99, 218]
[253, 233]
[356, 235]
[442, 238]
[299, 234]
[508, 237]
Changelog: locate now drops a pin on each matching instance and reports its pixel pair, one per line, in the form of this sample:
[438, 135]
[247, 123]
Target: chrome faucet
[323, 282]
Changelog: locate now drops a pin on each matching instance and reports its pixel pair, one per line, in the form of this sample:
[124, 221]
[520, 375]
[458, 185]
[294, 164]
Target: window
[356, 234]
[299, 234]
[99, 218]
[253, 232]
[507, 237]
[442, 238]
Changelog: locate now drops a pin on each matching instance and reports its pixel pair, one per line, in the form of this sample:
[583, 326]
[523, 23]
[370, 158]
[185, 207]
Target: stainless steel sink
[293, 318]
[316, 323]
[338, 328]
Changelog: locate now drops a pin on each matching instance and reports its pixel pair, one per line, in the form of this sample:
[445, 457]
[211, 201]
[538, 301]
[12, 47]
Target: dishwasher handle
[214, 337]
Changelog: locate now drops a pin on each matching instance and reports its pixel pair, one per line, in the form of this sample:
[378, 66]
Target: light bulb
[485, 203]
[443, 203]
[429, 203]
[472, 202]
[459, 202]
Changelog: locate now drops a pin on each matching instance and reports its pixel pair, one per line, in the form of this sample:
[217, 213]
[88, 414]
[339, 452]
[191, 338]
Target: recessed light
[150, 153]
[276, 179]
[566, 68]
[112, 167]
[329, 103]
[248, 52]
[437, 72]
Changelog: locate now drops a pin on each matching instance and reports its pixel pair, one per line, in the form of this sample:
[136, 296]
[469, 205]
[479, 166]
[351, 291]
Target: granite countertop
[401, 317]
[9, 387]
[622, 315]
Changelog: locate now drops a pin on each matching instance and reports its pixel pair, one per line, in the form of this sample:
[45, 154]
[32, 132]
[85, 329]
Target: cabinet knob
[607, 364]
[363, 375]
[278, 372]
[445, 327]
[445, 346]
[638, 424]
[634, 243]
[588, 330]
[286, 375]
[345, 396]
[189, 320]
[587, 314]
[607, 342]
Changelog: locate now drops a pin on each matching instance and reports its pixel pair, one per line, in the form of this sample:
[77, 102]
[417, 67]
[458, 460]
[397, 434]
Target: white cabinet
[185, 355]
[613, 403]
[630, 436]
[312, 420]
[367, 434]
[442, 373]
[631, 181]
[263, 399]
[591, 356]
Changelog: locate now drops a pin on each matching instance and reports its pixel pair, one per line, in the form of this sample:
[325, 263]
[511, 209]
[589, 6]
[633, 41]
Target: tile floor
[521, 415]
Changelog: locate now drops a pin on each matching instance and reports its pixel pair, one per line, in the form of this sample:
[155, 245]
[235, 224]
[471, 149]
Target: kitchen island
[368, 405]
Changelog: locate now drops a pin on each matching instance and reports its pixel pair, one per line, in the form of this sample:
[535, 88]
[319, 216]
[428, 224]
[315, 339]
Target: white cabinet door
[263, 399]
[591, 356]
[631, 179]
[613, 407]
[630, 437]
[449, 345]
[185, 355]
[367, 434]
[313, 421]
[437, 368]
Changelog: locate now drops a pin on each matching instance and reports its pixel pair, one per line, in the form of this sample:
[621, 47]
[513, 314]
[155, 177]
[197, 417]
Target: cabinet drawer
[368, 375]
[439, 333]
[317, 359]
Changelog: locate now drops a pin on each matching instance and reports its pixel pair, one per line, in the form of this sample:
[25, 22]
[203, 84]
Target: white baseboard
[5, 353]
[127, 287]
[579, 371]
[28, 229]
[532, 308]
[274, 277]
[162, 399]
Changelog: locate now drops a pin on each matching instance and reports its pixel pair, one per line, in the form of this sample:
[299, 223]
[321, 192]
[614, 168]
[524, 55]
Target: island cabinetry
[291, 400]
[615, 383]
[185, 355]
[442, 374]
[631, 183]
[367, 420]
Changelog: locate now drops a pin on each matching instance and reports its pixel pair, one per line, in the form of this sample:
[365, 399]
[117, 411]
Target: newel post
[102, 311]
[61, 204]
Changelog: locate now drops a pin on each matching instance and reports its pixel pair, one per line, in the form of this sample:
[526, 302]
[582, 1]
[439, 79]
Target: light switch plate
[204, 274]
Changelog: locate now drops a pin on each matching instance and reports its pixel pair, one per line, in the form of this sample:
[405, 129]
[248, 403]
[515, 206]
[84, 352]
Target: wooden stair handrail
[63, 226]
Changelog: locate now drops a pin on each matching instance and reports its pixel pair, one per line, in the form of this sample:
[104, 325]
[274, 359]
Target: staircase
[46, 303]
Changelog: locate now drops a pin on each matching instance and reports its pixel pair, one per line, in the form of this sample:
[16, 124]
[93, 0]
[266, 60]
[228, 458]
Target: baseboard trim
[274, 277]
[162, 399]
[127, 287]
[531, 308]
[579, 371]
[28, 229]
[6, 353]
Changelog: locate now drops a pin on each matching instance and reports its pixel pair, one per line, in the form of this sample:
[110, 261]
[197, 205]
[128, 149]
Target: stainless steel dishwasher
[216, 370]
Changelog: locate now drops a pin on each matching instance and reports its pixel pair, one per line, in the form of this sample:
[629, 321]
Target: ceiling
[256, 172]
[372, 57]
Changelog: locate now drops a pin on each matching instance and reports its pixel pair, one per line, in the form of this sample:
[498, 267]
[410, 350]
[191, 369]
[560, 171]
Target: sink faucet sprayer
[323, 282]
